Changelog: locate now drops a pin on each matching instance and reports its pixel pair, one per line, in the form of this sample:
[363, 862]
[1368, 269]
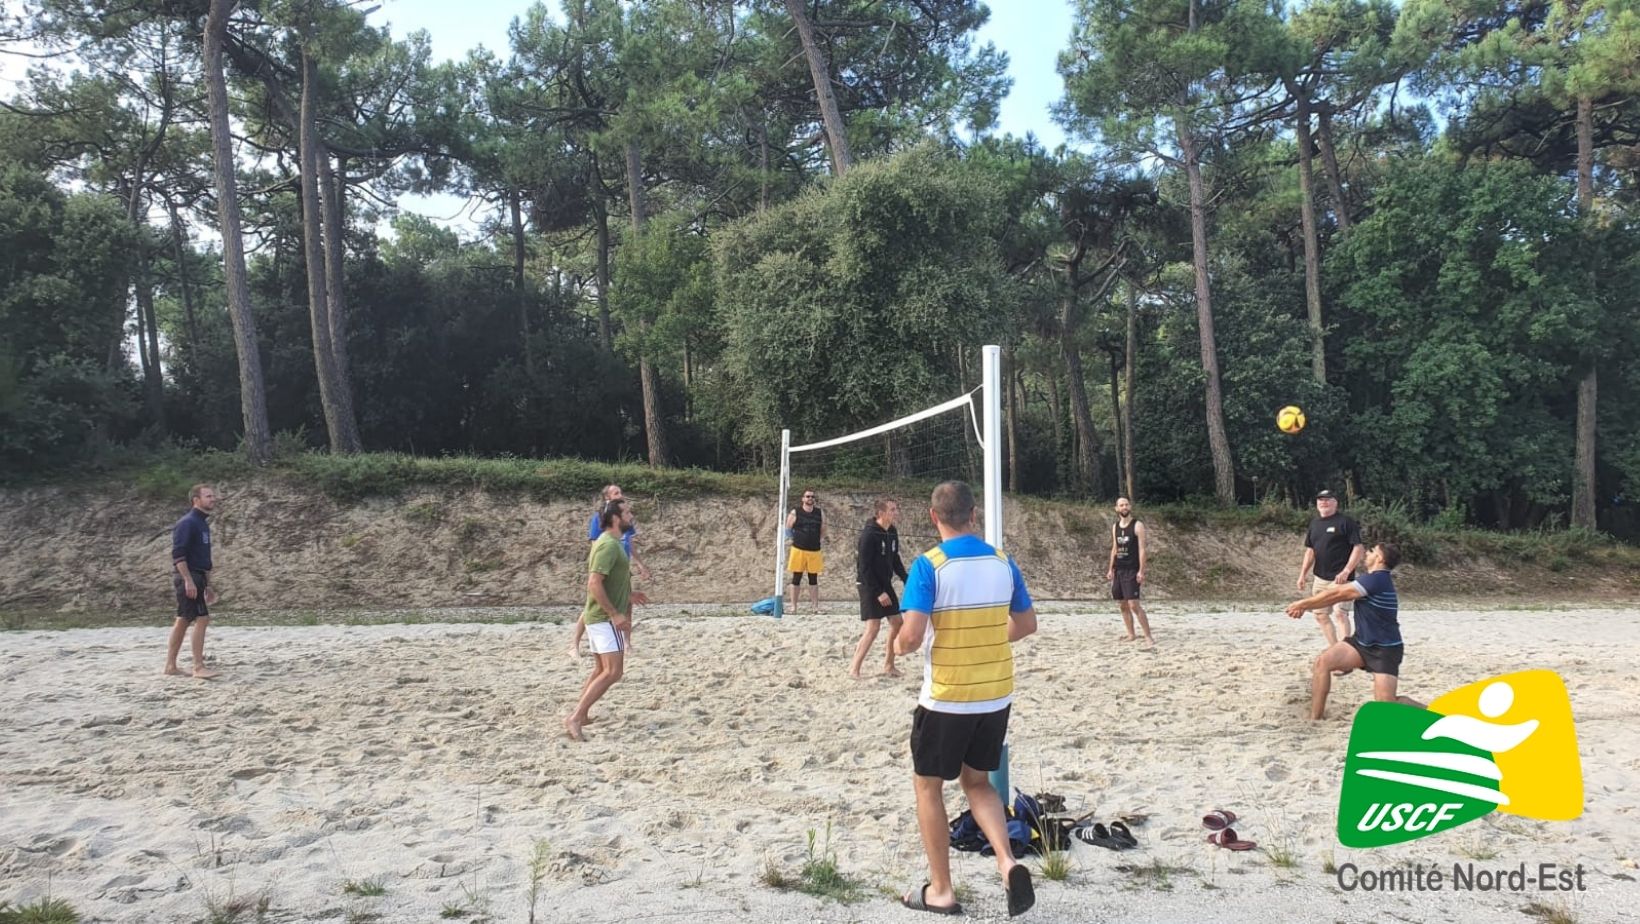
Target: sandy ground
[429, 759]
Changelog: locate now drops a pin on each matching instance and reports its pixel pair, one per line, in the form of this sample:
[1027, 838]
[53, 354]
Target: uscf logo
[1506, 744]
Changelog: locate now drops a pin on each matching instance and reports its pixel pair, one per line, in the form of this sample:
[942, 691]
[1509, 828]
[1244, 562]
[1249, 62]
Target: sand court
[407, 771]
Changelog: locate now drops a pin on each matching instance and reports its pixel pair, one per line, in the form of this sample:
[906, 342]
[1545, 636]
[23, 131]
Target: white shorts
[604, 639]
[1317, 585]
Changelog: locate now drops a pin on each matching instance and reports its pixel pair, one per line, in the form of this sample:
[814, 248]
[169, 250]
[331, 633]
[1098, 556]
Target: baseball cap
[1325, 493]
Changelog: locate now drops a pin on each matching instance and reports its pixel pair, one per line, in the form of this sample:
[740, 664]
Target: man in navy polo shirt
[190, 577]
[1376, 644]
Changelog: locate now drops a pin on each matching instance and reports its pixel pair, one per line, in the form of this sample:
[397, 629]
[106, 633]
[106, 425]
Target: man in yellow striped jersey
[974, 600]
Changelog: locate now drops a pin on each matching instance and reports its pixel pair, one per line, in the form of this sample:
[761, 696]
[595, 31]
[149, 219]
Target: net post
[991, 404]
[992, 444]
[780, 524]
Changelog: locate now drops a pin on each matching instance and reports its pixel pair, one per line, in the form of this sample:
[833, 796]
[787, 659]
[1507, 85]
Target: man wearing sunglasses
[808, 530]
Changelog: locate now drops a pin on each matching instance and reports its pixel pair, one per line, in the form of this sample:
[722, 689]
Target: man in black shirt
[1126, 570]
[808, 530]
[190, 578]
[877, 561]
[1332, 550]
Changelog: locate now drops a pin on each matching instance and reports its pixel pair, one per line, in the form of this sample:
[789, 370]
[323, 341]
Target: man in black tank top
[807, 526]
[1126, 572]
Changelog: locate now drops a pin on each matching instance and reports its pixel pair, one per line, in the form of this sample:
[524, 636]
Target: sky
[1030, 32]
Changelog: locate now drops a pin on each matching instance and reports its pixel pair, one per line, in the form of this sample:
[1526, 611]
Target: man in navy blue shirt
[190, 577]
[1376, 644]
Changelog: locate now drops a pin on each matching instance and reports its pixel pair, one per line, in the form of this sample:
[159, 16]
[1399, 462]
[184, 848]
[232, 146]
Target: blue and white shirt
[968, 589]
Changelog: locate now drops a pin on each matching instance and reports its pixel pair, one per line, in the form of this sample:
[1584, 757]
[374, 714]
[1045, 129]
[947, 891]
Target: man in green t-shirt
[608, 611]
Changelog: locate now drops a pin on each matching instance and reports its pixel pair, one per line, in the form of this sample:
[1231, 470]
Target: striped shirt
[967, 588]
[1377, 610]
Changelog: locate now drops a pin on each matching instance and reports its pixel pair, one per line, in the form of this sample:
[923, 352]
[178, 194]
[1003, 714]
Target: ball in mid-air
[1290, 419]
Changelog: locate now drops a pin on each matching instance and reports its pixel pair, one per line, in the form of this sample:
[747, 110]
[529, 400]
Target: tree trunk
[1218, 443]
[1312, 242]
[1009, 364]
[1584, 467]
[515, 206]
[836, 138]
[141, 292]
[180, 254]
[1087, 439]
[1335, 176]
[606, 327]
[654, 425]
[1060, 439]
[343, 433]
[153, 375]
[253, 403]
[1130, 367]
[1116, 408]
[763, 165]
[333, 196]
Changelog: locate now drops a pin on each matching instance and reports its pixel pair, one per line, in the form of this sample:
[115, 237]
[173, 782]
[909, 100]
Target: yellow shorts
[802, 561]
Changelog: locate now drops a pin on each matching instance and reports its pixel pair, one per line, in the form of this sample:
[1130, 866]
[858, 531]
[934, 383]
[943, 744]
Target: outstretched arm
[1337, 593]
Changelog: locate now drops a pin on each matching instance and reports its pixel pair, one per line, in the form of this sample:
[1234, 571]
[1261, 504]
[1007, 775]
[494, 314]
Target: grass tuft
[1557, 913]
[540, 857]
[44, 911]
[373, 887]
[1156, 874]
[818, 876]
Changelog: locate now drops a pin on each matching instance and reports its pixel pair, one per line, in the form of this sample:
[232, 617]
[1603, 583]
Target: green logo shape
[1399, 787]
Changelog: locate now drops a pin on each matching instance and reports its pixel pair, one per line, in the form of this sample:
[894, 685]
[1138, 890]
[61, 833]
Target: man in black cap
[1332, 550]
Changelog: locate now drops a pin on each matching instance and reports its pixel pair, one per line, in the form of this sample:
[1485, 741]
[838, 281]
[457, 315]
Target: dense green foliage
[655, 192]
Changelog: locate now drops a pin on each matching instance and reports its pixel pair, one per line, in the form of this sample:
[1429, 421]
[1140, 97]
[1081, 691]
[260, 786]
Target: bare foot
[572, 728]
[202, 673]
[1150, 642]
[1128, 638]
[854, 672]
[891, 672]
[589, 720]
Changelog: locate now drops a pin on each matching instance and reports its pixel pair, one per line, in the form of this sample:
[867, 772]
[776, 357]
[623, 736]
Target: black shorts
[943, 742]
[1380, 659]
[1125, 586]
[195, 608]
[871, 609]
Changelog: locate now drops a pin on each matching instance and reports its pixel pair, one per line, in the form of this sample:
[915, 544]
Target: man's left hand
[1140, 577]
